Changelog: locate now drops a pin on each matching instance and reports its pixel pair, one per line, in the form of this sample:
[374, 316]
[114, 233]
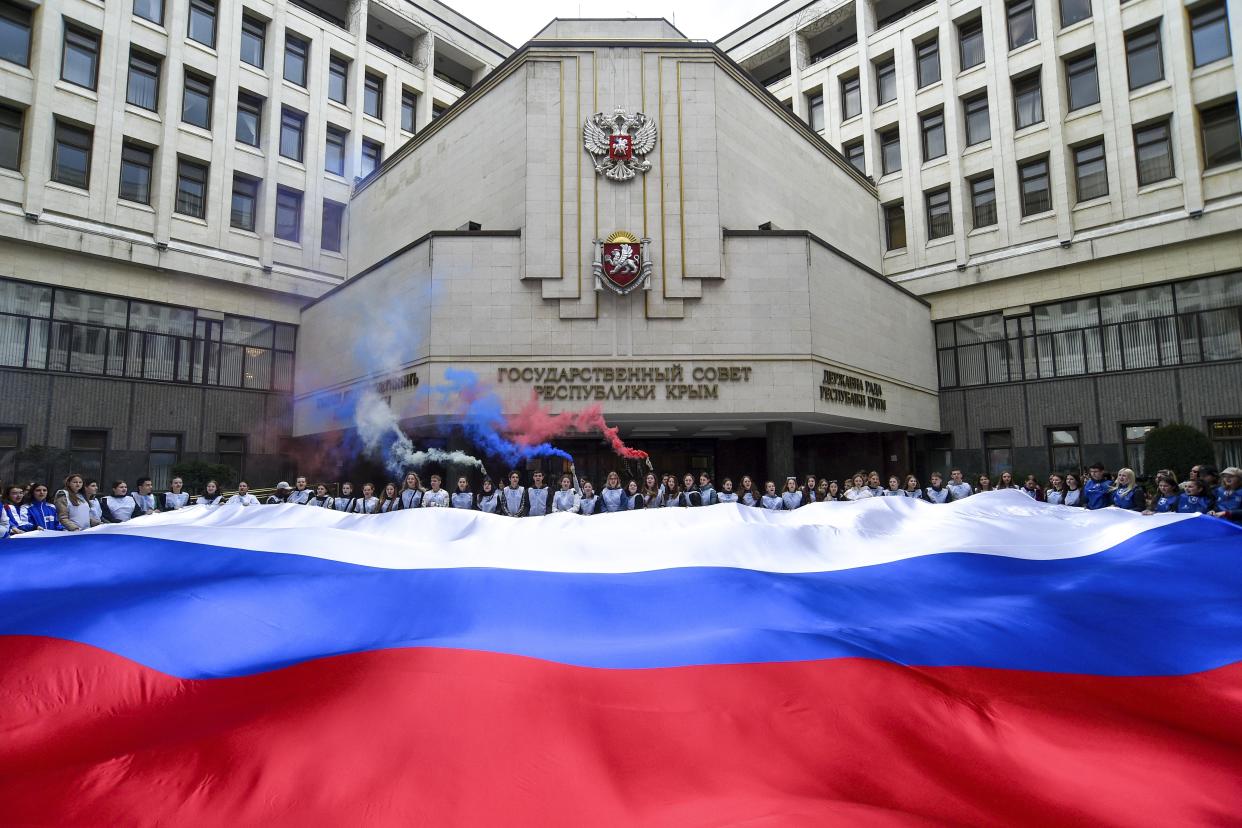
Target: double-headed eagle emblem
[618, 143]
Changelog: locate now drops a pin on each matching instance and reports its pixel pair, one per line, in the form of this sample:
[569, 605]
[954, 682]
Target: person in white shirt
[301, 493]
[243, 496]
[436, 495]
[281, 496]
[412, 495]
[144, 497]
[368, 504]
[176, 497]
[118, 507]
[936, 493]
[211, 496]
[321, 499]
[92, 497]
[958, 488]
[72, 507]
[858, 489]
[345, 501]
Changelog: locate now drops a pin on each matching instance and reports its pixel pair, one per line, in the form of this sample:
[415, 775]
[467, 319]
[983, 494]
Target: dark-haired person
[633, 497]
[568, 498]
[984, 484]
[368, 503]
[1195, 498]
[243, 496]
[821, 491]
[72, 508]
[858, 490]
[810, 493]
[39, 513]
[118, 507]
[1055, 493]
[281, 495]
[344, 502]
[792, 497]
[874, 484]
[175, 498]
[91, 491]
[1168, 497]
[462, 497]
[144, 497]
[832, 491]
[1073, 495]
[1229, 495]
[612, 496]
[771, 499]
[301, 494]
[913, 487]
[958, 488]
[1095, 491]
[411, 496]
[893, 489]
[653, 491]
[936, 492]
[489, 498]
[726, 493]
[690, 494]
[388, 499]
[748, 495]
[321, 498]
[513, 497]
[1006, 481]
[1210, 478]
[670, 494]
[211, 496]
[1030, 488]
[707, 492]
[588, 504]
[436, 495]
[11, 509]
[1125, 493]
[538, 496]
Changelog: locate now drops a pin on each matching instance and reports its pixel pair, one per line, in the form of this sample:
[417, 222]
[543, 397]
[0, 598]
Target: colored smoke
[536, 424]
[382, 436]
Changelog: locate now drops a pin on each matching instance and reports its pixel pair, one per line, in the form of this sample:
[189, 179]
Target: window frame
[335, 63]
[192, 77]
[241, 183]
[153, 468]
[7, 12]
[252, 106]
[970, 110]
[294, 43]
[1205, 16]
[88, 149]
[204, 9]
[895, 209]
[255, 29]
[1140, 32]
[931, 124]
[1140, 469]
[885, 68]
[159, 21]
[942, 232]
[86, 40]
[884, 142]
[334, 131]
[130, 147]
[370, 147]
[967, 31]
[336, 208]
[13, 119]
[851, 91]
[1074, 448]
[856, 150]
[975, 205]
[1061, 9]
[1075, 67]
[201, 168]
[1166, 125]
[814, 103]
[994, 441]
[1232, 123]
[1015, 10]
[140, 56]
[923, 53]
[290, 119]
[1022, 86]
[1024, 178]
[1076, 151]
[373, 85]
[298, 199]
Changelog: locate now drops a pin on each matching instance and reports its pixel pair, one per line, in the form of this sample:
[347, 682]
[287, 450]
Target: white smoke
[382, 436]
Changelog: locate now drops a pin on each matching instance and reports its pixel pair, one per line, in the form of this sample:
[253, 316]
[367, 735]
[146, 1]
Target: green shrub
[195, 474]
[1177, 447]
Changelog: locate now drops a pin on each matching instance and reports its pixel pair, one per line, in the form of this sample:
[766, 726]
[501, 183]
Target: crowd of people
[78, 504]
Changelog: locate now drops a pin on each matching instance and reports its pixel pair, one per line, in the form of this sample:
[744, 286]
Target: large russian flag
[990, 662]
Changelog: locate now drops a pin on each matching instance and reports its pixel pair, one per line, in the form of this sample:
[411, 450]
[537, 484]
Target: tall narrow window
[143, 86]
[231, 452]
[409, 108]
[292, 133]
[983, 201]
[164, 453]
[333, 222]
[939, 214]
[890, 151]
[815, 111]
[196, 100]
[1227, 440]
[1143, 61]
[927, 62]
[79, 63]
[978, 127]
[71, 155]
[998, 452]
[1028, 101]
[1154, 152]
[1020, 16]
[297, 55]
[1222, 139]
[932, 125]
[136, 164]
[1134, 436]
[1064, 449]
[1081, 83]
[372, 155]
[338, 79]
[1074, 10]
[245, 202]
[894, 226]
[1090, 174]
[86, 453]
[851, 97]
[1209, 32]
[334, 150]
[152, 10]
[191, 188]
[373, 96]
[970, 43]
[856, 155]
[249, 118]
[885, 81]
[1036, 192]
[15, 33]
[288, 214]
[253, 40]
[11, 124]
[202, 24]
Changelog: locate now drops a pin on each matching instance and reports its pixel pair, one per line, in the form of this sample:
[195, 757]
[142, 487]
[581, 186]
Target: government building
[900, 236]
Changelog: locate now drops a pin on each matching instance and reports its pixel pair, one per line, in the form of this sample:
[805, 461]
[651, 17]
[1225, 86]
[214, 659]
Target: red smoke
[534, 424]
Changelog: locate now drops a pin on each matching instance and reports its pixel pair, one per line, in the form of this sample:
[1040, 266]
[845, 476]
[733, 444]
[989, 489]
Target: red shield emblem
[622, 263]
[621, 147]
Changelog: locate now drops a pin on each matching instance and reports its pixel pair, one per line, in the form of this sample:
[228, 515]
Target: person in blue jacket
[1125, 493]
[1229, 495]
[1096, 490]
[1168, 496]
[1195, 498]
[38, 512]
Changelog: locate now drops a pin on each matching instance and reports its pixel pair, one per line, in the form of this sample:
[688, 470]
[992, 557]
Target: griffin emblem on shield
[619, 142]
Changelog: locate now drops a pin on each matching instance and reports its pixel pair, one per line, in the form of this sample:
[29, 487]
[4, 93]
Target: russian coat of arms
[619, 142]
[622, 262]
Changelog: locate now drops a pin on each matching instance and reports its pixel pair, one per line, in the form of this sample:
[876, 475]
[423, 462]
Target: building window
[1209, 32]
[196, 100]
[10, 440]
[1036, 191]
[1080, 81]
[86, 454]
[998, 453]
[163, 454]
[338, 79]
[1134, 435]
[1074, 10]
[1154, 153]
[978, 127]
[1064, 450]
[983, 201]
[409, 109]
[885, 82]
[1143, 61]
[1028, 101]
[437, 109]
[373, 96]
[202, 25]
[136, 164]
[1021, 22]
[79, 63]
[939, 214]
[253, 40]
[851, 98]
[1222, 139]
[249, 118]
[14, 33]
[231, 452]
[932, 128]
[152, 10]
[143, 86]
[894, 226]
[333, 224]
[71, 156]
[970, 43]
[191, 188]
[372, 155]
[11, 121]
[814, 111]
[1227, 439]
[1090, 174]
[288, 214]
[927, 62]
[292, 132]
[334, 150]
[245, 202]
[890, 151]
[297, 52]
[856, 155]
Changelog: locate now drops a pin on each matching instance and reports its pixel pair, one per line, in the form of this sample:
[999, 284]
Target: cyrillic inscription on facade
[851, 390]
[598, 383]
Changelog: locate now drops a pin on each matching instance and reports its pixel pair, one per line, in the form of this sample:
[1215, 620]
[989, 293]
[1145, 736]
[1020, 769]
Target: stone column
[780, 451]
